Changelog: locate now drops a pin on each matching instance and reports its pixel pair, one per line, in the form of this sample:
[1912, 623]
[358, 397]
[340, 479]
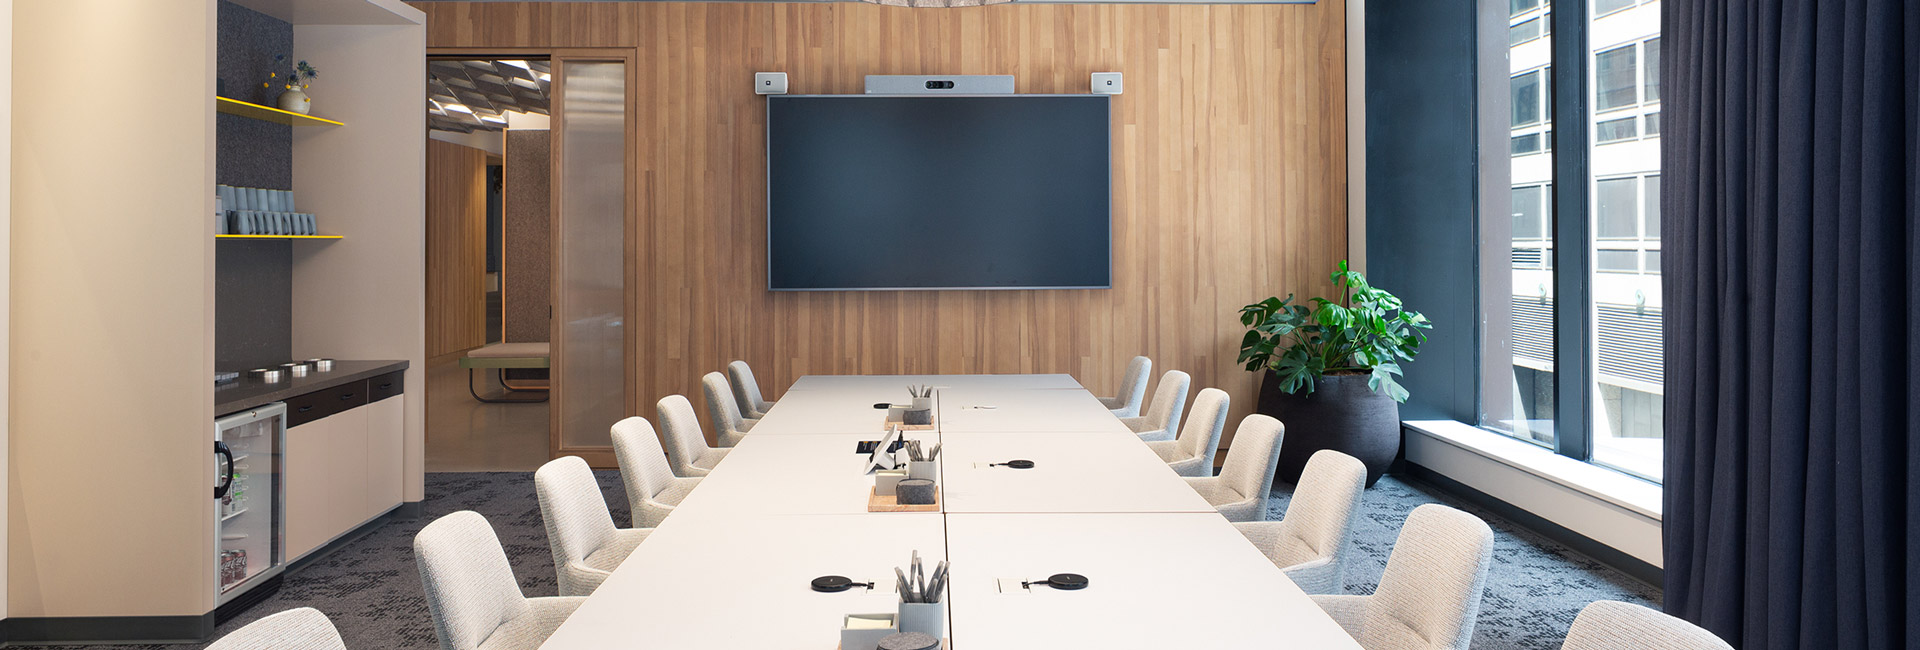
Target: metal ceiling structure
[470, 95]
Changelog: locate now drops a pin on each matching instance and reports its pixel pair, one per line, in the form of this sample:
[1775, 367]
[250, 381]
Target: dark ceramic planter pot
[1341, 414]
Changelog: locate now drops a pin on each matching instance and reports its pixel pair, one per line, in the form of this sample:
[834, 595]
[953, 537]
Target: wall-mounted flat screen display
[900, 192]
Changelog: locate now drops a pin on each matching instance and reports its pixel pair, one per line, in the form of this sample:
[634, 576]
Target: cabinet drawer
[322, 403]
[387, 385]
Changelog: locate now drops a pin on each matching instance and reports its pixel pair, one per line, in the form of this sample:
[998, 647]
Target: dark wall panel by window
[253, 280]
[1421, 164]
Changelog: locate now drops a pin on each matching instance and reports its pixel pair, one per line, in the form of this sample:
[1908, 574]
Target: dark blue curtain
[1793, 367]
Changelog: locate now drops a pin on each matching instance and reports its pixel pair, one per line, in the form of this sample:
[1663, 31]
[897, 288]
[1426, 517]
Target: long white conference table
[731, 567]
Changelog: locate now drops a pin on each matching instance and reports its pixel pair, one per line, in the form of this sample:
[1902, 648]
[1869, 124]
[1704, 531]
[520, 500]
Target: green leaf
[1361, 327]
[1394, 390]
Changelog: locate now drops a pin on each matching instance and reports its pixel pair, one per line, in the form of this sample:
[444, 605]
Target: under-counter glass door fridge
[249, 524]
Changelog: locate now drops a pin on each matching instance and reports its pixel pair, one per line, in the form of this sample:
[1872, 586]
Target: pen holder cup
[866, 630]
[896, 412]
[917, 416]
[925, 469]
[922, 403]
[926, 618]
[885, 480]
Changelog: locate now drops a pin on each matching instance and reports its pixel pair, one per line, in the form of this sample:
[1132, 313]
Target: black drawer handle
[346, 396]
[386, 386]
[306, 408]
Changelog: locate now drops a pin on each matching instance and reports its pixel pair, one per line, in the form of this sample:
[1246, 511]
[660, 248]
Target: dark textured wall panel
[253, 280]
[526, 274]
[1421, 169]
[252, 153]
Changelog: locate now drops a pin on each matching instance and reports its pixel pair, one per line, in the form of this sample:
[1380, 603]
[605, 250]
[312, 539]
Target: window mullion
[1571, 222]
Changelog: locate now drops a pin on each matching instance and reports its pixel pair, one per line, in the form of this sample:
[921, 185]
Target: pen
[919, 585]
[938, 583]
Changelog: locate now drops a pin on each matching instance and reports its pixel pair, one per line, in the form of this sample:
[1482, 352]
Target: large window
[1576, 362]
[1522, 405]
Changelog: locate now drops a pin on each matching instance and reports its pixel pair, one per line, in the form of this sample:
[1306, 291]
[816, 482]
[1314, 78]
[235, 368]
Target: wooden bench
[501, 357]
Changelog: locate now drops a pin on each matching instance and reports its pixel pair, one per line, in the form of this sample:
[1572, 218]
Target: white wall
[1357, 134]
[364, 296]
[110, 467]
[493, 142]
[1608, 507]
[6, 246]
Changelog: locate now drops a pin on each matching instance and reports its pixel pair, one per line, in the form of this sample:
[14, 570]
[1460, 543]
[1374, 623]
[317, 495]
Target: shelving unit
[324, 237]
[270, 114]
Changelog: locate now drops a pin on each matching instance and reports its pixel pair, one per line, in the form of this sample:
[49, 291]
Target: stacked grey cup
[256, 211]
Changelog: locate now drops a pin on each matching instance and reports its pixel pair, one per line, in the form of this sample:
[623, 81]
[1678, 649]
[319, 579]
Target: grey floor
[371, 589]
[465, 435]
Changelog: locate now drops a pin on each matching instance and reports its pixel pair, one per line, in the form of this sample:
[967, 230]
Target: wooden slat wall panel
[1230, 178]
[456, 248]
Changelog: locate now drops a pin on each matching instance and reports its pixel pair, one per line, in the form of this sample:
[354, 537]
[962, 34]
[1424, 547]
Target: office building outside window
[1623, 222]
[1624, 166]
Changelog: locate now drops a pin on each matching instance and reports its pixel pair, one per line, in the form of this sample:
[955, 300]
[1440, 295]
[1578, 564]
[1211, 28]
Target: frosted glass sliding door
[590, 292]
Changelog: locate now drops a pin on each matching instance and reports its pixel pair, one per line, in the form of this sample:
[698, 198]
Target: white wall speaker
[1106, 83]
[770, 83]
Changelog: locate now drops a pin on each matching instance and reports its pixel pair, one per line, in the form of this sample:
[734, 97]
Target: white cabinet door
[386, 447]
[307, 462]
[347, 467]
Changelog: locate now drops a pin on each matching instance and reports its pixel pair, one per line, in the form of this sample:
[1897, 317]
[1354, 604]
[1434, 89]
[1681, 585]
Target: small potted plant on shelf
[1330, 371]
[296, 83]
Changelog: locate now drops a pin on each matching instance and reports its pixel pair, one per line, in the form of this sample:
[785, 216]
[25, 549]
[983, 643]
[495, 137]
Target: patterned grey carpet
[371, 589]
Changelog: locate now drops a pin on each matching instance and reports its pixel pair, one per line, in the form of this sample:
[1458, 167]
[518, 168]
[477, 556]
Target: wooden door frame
[596, 456]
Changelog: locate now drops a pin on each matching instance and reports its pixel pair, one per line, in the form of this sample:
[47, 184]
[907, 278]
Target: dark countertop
[247, 392]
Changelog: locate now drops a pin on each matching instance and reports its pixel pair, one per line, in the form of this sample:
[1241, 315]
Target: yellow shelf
[270, 114]
[278, 237]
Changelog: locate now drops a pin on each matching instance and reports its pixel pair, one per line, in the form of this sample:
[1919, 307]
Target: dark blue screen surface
[869, 192]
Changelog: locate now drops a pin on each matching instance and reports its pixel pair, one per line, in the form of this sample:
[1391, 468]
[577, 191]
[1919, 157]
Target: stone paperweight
[909, 641]
[914, 491]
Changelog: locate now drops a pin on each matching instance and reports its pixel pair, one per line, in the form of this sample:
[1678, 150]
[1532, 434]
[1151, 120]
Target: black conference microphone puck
[1061, 581]
[835, 584]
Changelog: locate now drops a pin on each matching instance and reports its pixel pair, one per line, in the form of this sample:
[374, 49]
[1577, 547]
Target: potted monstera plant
[1331, 371]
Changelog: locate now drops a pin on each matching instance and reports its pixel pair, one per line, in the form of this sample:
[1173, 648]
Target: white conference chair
[746, 391]
[1430, 593]
[1240, 491]
[1310, 544]
[729, 428]
[652, 489]
[1133, 388]
[586, 545]
[1191, 454]
[1614, 625]
[475, 601]
[687, 448]
[1163, 414]
[295, 629]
